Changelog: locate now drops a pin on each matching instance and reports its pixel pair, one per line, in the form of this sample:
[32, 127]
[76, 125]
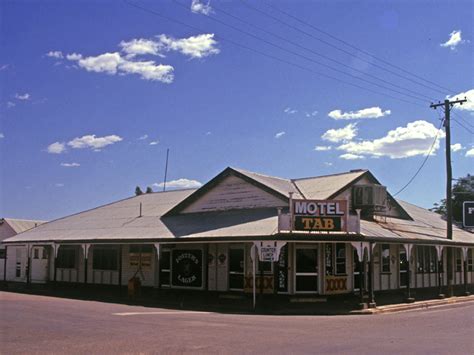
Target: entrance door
[403, 261]
[39, 265]
[356, 268]
[236, 269]
[165, 268]
[306, 269]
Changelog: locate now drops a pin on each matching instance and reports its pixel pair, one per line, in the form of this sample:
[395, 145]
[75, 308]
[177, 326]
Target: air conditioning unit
[369, 197]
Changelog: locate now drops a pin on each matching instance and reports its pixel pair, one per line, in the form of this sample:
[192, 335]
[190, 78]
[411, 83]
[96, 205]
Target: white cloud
[199, 7]
[140, 46]
[4, 66]
[466, 106]
[311, 114]
[148, 70]
[70, 165]
[349, 156]
[59, 185]
[22, 97]
[2, 135]
[180, 184]
[453, 41]
[208, 133]
[103, 63]
[414, 139]
[456, 147]
[113, 63]
[341, 134]
[56, 148]
[280, 134]
[11, 104]
[74, 56]
[55, 54]
[322, 148]
[290, 111]
[93, 142]
[155, 142]
[199, 46]
[327, 163]
[470, 153]
[145, 136]
[371, 112]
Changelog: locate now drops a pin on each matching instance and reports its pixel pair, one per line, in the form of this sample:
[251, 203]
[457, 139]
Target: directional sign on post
[468, 214]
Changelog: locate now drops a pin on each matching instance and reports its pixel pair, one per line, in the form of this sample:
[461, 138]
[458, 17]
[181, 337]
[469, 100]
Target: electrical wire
[156, 13]
[418, 94]
[351, 46]
[296, 53]
[423, 163]
[463, 126]
[462, 119]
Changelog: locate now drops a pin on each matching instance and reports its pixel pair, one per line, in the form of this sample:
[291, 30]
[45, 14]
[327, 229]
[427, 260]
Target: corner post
[372, 303]
[464, 253]
[409, 248]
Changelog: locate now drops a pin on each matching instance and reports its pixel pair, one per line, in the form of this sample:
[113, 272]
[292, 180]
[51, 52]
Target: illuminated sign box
[320, 215]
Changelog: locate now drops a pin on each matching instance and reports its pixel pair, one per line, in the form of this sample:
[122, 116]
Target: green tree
[149, 190]
[463, 190]
[138, 191]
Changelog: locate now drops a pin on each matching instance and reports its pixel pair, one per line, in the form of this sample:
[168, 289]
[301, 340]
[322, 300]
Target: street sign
[468, 214]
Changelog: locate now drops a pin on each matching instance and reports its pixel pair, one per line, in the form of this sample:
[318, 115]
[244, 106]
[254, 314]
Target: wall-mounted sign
[335, 284]
[187, 268]
[468, 214]
[320, 215]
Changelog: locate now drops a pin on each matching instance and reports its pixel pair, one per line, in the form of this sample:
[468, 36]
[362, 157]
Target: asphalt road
[38, 324]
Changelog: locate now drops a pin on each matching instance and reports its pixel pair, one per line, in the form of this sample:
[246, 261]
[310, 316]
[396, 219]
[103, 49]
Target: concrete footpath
[426, 304]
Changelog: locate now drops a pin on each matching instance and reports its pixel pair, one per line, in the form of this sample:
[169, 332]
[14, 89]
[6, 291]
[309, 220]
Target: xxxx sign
[320, 215]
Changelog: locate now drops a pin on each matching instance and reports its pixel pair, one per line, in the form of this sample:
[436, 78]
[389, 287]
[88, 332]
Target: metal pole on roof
[166, 169]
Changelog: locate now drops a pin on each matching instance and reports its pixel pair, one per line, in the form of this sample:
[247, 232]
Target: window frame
[385, 261]
[66, 258]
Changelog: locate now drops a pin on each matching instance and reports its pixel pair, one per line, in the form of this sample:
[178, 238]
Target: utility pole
[449, 184]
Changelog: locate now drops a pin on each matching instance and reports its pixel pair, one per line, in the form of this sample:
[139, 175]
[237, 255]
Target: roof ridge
[260, 174]
[22, 219]
[329, 175]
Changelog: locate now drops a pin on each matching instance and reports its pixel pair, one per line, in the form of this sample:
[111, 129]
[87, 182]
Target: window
[469, 260]
[36, 253]
[385, 254]
[335, 259]
[105, 258]
[66, 258]
[45, 253]
[425, 259]
[458, 260]
[2, 254]
[265, 266]
[340, 259]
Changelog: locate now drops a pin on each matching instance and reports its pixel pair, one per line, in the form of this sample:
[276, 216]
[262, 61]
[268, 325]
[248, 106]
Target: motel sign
[320, 215]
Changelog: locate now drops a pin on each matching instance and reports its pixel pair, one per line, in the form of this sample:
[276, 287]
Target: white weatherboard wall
[16, 254]
[234, 193]
[222, 267]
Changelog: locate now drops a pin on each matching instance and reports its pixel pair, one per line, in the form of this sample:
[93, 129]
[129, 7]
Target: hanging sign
[320, 215]
[187, 268]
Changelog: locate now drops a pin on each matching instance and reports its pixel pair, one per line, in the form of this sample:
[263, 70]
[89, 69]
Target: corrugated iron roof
[121, 220]
[21, 225]
[323, 187]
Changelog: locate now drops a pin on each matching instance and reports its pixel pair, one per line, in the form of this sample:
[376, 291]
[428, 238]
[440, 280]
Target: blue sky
[94, 92]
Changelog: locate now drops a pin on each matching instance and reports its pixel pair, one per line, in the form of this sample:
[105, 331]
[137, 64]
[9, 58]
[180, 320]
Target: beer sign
[320, 215]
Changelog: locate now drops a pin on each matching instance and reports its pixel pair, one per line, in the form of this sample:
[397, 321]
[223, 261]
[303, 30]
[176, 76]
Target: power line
[423, 163]
[317, 53]
[353, 47]
[459, 123]
[297, 54]
[155, 13]
[462, 119]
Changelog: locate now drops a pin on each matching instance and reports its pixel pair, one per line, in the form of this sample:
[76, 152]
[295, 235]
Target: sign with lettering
[320, 215]
[468, 214]
[335, 284]
[187, 268]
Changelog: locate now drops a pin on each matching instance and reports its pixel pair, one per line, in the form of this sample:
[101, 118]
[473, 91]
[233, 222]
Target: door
[403, 262]
[306, 269]
[165, 268]
[236, 268]
[39, 264]
[356, 268]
